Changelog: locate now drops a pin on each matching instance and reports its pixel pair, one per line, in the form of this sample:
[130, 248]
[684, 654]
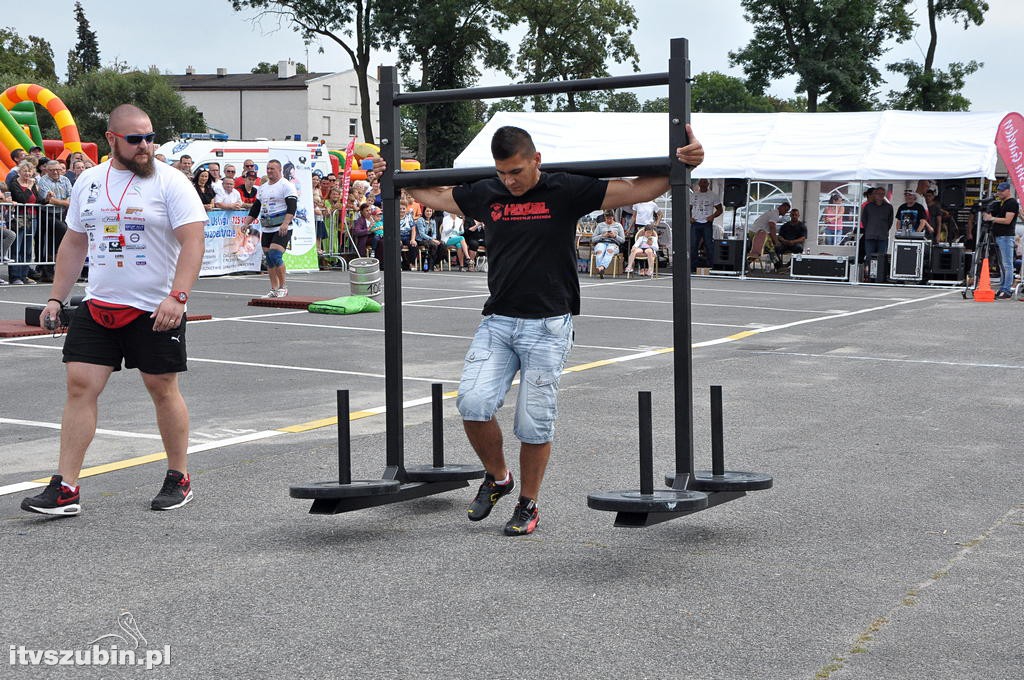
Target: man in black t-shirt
[911, 216]
[791, 237]
[1004, 220]
[530, 219]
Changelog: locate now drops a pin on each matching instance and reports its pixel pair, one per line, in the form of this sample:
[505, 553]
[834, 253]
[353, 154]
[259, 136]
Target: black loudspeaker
[726, 255]
[951, 194]
[734, 193]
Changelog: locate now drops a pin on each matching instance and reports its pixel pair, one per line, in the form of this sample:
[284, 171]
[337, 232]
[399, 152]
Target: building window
[355, 95]
[353, 125]
[326, 126]
[327, 92]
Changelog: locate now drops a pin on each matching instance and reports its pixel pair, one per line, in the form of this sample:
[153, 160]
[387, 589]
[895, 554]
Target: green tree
[656, 105]
[625, 102]
[439, 46]
[267, 67]
[716, 92]
[347, 23]
[830, 45]
[26, 60]
[95, 94]
[571, 39]
[929, 88]
[84, 57]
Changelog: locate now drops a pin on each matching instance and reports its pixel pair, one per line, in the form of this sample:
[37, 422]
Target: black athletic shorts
[137, 344]
[271, 237]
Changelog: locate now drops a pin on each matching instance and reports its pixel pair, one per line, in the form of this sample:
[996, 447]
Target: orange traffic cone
[984, 292]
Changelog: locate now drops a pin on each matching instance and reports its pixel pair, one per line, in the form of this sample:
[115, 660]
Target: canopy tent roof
[874, 145]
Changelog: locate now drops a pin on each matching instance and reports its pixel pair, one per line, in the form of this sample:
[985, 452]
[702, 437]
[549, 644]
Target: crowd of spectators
[35, 194]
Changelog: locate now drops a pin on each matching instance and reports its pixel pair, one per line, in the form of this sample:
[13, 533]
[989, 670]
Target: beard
[142, 168]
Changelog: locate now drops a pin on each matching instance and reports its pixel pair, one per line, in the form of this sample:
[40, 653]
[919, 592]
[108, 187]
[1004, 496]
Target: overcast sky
[208, 34]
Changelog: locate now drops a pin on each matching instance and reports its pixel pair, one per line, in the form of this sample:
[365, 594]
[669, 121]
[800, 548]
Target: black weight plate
[448, 473]
[356, 489]
[732, 480]
[662, 500]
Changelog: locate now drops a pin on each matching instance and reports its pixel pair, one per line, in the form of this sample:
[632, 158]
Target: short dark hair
[17, 154]
[509, 141]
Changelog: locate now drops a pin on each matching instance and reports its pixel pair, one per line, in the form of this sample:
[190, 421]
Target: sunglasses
[249, 165]
[229, 172]
[136, 139]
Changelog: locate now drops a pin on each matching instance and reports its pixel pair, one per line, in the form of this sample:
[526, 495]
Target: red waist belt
[109, 315]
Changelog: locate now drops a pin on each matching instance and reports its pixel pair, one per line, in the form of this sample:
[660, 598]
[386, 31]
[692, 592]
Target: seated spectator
[408, 230]
[646, 245]
[248, 188]
[204, 187]
[474, 239]
[426, 235]
[452, 237]
[606, 242]
[414, 206]
[791, 237]
[361, 229]
[230, 198]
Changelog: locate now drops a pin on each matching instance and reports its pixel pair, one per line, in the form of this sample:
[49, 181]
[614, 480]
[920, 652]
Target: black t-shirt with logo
[531, 241]
[909, 217]
[1002, 209]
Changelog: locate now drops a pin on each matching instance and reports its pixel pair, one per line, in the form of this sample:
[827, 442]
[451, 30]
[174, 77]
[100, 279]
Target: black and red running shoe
[488, 494]
[524, 518]
[176, 491]
[56, 499]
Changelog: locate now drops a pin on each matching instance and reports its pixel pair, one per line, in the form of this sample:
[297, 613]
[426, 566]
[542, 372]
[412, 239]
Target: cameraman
[1003, 217]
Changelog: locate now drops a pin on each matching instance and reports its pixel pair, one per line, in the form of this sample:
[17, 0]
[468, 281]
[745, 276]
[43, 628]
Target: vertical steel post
[390, 146]
[679, 181]
[646, 443]
[717, 432]
[344, 440]
[437, 411]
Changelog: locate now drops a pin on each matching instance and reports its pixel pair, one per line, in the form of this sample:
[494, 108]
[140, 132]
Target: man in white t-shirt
[142, 225]
[643, 214]
[705, 206]
[229, 197]
[275, 205]
[769, 221]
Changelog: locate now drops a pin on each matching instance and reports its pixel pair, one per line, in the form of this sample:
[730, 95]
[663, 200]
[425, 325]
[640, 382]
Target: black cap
[251, 173]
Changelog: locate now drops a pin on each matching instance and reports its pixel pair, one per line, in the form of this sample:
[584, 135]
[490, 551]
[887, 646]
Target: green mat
[350, 304]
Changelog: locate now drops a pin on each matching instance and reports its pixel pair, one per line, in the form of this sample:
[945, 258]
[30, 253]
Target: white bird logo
[132, 637]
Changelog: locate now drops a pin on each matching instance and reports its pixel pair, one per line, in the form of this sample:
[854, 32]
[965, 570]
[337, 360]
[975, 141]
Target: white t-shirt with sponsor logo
[272, 203]
[130, 222]
[645, 213]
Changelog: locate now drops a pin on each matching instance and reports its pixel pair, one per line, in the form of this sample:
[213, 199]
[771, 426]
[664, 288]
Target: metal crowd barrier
[30, 234]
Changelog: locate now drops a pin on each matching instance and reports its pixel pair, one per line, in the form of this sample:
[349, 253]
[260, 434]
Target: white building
[280, 105]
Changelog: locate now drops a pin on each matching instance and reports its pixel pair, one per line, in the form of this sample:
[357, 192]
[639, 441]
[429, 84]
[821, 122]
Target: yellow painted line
[326, 422]
[115, 466]
[742, 334]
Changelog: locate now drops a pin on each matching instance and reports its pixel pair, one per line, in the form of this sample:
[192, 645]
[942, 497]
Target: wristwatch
[179, 295]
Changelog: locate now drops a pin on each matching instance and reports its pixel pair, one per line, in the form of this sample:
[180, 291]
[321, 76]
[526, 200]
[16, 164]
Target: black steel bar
[437, 412]
[409, 491]
[390, 146]
[625, 167]
[717, 434]
[646, 444]
[679, 181]
[344, 440]
[524, 89]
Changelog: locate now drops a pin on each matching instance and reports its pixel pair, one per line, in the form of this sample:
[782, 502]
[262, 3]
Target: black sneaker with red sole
[524, 518]
[487, 495]
[56, 499]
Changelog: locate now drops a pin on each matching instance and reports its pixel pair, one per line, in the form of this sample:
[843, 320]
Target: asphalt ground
[890, 546]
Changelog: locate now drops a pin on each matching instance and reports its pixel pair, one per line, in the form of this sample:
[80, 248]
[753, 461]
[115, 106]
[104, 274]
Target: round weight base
[447, 473]
[662, 500]
[355, 489]
[705, 480]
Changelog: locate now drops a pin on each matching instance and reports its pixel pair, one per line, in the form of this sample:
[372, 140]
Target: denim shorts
[503, 345]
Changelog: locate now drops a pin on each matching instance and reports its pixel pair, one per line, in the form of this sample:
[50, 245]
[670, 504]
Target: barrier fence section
[29, 237]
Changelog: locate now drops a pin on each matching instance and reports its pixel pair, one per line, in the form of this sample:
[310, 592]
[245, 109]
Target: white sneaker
[271, 294]
[282, 292]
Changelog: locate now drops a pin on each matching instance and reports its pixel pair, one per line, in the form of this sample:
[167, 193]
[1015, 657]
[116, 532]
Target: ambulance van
[205, 148]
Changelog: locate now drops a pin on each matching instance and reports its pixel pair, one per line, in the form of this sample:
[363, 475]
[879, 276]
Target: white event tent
[874, 145]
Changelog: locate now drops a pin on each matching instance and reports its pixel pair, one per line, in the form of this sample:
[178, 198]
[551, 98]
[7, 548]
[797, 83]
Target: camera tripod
[984, 249]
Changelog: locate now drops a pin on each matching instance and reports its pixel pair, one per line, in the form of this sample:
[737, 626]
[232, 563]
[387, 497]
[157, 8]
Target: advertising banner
[1010, 143]
[227, 249]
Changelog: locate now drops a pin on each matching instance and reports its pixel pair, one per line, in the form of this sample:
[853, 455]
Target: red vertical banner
[1010, 144]
[346, 174]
